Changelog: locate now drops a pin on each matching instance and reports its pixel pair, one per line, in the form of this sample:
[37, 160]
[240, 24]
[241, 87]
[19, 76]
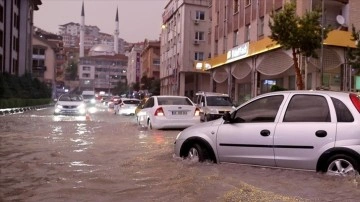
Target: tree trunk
[299, 80]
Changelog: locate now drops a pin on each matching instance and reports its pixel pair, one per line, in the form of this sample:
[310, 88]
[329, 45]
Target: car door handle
[265, 133]
[321, 133]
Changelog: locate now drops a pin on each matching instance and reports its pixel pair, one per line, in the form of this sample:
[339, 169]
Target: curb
[4, 112]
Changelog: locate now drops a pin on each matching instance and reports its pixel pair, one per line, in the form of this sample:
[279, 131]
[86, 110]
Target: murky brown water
[109, 158]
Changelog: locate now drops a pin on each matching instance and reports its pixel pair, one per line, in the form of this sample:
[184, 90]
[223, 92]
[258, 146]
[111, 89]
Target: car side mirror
[227, 117]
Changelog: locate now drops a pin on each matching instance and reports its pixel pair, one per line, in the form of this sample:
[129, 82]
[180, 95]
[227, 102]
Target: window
[1, 38]
[199, 56]
[1, 13]
[342, 112]
[156, 62]
[307, 108]
[247, 33]
[261, 110]
[292, 82]
[236, 6]
[199, 36]
[86, 68]
[200, 15]
[236, 38]
[86, 75]
[261, 26]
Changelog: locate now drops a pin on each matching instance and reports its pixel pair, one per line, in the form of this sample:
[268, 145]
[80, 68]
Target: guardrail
[9, 111]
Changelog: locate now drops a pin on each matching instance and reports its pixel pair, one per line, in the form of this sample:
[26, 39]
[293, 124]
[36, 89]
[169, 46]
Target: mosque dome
[101, 49]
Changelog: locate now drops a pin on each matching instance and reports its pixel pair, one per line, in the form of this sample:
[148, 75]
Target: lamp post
[175, 71]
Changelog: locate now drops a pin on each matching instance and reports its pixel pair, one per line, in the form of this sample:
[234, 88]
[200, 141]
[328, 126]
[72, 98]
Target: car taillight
[355, 99]
[159, 112]
[197, 112]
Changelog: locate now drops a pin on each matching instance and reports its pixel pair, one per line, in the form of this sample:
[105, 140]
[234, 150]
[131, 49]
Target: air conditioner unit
[196, 22]
[196, 42]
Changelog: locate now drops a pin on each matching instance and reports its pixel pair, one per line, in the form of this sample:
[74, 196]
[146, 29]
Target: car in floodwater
[70, 104]
[311, 130]
[168, 112]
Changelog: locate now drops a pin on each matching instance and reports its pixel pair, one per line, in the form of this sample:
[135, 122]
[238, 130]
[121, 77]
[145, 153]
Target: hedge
[17, 103]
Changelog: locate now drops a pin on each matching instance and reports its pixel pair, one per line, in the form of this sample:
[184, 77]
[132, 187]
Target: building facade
[102, 72]
[245, 62]
[16, 29]
[184, 41]
[134, 64]
[150, 59]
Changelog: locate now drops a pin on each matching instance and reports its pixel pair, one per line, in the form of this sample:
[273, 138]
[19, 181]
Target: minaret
[116, 33]
[82, 31]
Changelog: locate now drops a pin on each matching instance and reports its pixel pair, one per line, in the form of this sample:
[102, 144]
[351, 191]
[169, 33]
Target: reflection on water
[69, 118]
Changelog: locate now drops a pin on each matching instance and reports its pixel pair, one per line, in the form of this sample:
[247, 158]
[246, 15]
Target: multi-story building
[102, 72]
[16, 29]
[134, 64]
[245, 62]
[184, 41]
[150, 59]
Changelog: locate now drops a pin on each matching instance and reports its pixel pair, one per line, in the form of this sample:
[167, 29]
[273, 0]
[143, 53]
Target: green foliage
[121, 88]
[303, 35]
[353, 54]
[152, 85]
[72, 70]
[24, 87]
[277, 88]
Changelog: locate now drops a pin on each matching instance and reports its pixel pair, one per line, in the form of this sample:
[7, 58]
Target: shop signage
[238, 52]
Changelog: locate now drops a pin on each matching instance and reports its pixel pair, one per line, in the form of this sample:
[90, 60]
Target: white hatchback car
[127, 106]
[312, 130]
[162, 112]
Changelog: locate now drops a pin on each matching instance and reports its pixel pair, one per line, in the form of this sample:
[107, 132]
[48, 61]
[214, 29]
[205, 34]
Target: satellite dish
[340, 19]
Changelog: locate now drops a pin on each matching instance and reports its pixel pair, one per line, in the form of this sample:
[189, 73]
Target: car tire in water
[343, 165]
[197, 153]
[149, 126]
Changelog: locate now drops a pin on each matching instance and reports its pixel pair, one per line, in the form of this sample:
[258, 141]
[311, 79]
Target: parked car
[141, 105]
[213, 105]
[161, 112]
[312, 130]
[70, 104]
[126, 106]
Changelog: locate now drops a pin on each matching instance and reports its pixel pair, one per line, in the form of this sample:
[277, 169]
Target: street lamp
[175, 86]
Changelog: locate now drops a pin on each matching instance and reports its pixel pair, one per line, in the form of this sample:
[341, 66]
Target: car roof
[211, 94]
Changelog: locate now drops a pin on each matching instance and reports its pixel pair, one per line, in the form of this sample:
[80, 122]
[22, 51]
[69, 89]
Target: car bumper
[70, 112]
[164, 123]
[128, 111]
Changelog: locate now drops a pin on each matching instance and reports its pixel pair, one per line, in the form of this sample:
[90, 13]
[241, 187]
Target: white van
[89, 96]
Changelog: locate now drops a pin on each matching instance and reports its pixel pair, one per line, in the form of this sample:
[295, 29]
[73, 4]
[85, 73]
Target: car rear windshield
[218, 101]
[88, 96]
[174, 101]
[131, 102]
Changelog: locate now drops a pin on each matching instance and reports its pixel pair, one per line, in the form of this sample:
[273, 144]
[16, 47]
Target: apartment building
[134, 64]
[245, 62]
[150, 59]
[184, 41]
[16, 28]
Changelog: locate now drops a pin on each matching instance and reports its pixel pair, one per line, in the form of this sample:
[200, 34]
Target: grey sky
[138, 19]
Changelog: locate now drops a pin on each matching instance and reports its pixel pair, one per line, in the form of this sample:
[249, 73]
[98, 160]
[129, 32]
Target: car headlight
[92, 101]
[82, 106]
[59, 106]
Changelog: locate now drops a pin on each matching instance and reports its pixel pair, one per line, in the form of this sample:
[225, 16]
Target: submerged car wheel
[342, 165]
[197, 153]
[149, 126]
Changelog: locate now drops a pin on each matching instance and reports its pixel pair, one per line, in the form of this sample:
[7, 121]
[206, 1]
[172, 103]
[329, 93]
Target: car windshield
[70, 98]
[173, 101]
[88, 96]
[131, 102]
[218, 101]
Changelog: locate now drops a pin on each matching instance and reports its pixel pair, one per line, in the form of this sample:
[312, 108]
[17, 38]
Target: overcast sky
[138, 19]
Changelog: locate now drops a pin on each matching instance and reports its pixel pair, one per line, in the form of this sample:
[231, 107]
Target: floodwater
[107, 157]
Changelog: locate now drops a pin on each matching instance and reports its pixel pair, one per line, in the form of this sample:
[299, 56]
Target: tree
[354, 53]
[72, 70]
[303, 35]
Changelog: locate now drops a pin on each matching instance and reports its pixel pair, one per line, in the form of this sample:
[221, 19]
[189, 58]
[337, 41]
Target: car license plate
[179, 112]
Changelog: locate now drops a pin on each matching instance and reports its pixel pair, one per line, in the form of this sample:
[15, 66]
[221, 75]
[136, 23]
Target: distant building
[134, 64]
[16, 29]
[150, 59]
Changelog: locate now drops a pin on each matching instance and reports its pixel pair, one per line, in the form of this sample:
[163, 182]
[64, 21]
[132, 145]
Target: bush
[22, 91]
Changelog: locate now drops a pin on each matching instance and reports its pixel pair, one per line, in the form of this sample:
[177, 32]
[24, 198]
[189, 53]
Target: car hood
[205, 124]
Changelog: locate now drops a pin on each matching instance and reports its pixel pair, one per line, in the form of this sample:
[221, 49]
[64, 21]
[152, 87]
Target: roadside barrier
[4, 112]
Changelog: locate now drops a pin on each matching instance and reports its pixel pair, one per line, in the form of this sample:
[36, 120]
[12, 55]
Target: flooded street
[108, 157]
